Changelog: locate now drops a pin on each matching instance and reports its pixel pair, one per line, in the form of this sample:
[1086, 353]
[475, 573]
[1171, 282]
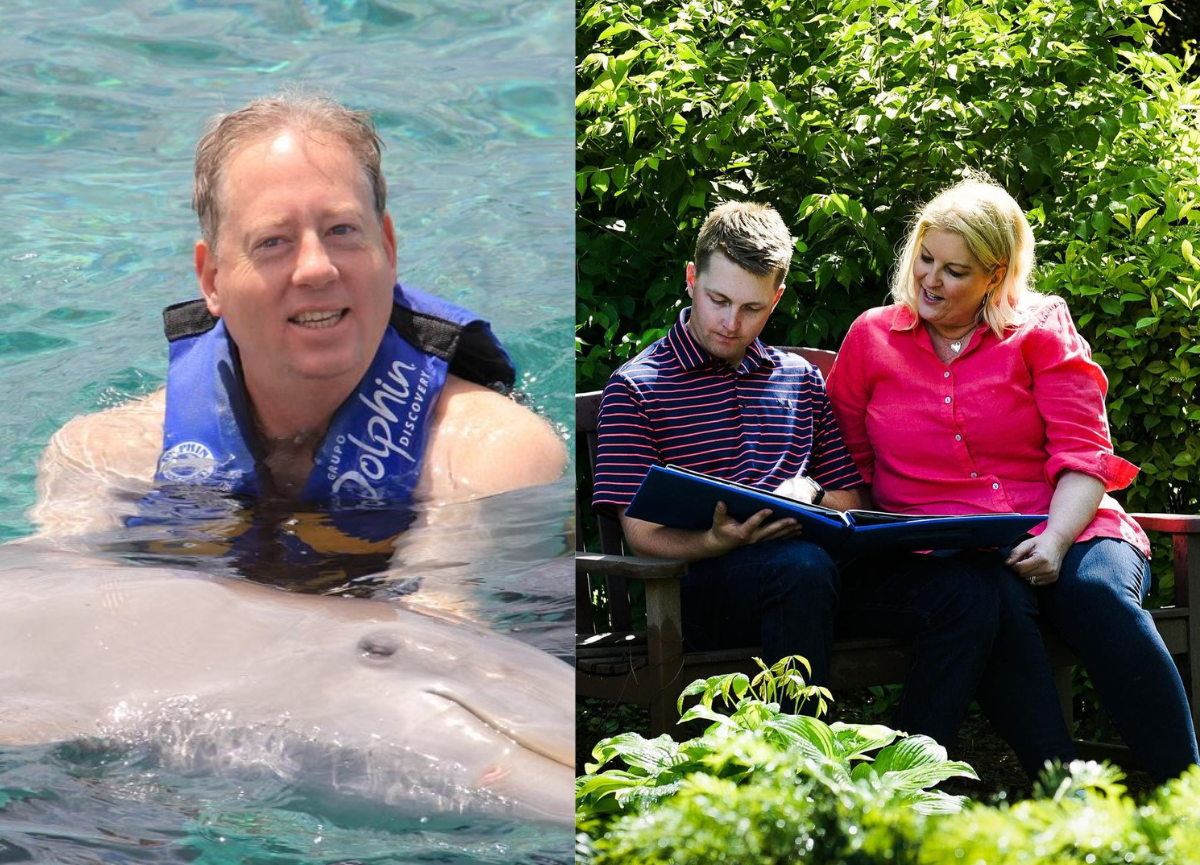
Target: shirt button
[974, 475]
[946, 374]
[958, 438]
[995, 486]
[947, 400]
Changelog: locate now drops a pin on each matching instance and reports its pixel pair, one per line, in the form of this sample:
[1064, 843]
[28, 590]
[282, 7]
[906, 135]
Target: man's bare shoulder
[91, 465]
[125, 439]
[483, 443]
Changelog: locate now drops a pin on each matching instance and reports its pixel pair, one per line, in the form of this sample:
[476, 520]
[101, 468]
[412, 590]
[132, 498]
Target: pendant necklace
[954, 345]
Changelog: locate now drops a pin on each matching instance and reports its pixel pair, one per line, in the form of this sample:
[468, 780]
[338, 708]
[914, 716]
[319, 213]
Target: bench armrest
[1185, 550]
[632, 567]
[1188, 524]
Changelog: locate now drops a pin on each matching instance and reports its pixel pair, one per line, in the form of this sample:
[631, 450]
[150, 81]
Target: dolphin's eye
[378, 647]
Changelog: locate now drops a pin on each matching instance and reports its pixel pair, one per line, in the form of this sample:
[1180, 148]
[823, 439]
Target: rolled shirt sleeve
[1069, 389]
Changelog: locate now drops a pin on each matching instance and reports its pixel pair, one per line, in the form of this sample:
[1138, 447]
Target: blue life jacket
[372, 454]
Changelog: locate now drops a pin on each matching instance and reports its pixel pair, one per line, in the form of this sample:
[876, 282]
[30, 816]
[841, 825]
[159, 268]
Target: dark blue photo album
[680, 498]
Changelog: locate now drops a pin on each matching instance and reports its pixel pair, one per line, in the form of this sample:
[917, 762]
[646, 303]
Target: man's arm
[801, 489]
[482, 443]
[725, 535]
[96, 467]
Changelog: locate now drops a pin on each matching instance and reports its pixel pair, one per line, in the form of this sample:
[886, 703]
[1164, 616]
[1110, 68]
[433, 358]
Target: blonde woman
[971, 393]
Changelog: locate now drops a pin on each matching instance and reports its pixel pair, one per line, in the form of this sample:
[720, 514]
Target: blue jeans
[949, 607]
[782, 595]
[786, 596]
[1096, 605]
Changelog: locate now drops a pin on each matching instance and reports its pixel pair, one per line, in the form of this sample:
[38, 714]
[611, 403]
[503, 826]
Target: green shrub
[764, 787]
[845, 117]
[758, 784]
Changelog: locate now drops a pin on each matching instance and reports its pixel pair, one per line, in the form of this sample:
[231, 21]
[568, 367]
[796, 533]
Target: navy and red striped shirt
[760, 424]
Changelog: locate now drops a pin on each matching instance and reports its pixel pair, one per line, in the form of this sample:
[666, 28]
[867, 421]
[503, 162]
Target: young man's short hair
[750, 235]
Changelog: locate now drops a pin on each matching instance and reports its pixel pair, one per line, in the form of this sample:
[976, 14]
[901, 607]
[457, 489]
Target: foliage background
[846, 117]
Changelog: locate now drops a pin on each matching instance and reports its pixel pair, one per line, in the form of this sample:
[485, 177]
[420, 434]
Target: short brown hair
[750, 235]
[305, 112]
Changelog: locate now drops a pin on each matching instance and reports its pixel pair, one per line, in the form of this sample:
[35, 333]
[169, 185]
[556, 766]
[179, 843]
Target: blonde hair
[995, 230]
[750, 235]
[308, 113]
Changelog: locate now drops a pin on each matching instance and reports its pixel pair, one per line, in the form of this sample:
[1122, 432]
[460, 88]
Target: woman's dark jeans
[949, 607]
[786, 596]
[1096, 605]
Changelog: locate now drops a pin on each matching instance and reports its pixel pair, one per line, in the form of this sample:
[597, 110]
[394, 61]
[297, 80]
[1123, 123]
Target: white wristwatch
[819, 491]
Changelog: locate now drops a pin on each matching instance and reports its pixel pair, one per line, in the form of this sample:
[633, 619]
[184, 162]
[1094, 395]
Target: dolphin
[220, 675]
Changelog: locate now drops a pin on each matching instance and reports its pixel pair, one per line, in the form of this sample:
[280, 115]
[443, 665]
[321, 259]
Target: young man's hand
[725, 534]
[728, 534]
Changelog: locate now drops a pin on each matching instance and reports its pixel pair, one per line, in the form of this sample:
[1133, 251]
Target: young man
[305, 374]
[710, 396]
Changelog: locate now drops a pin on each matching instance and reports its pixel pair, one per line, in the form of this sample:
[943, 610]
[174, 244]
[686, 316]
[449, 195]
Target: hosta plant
[770, 782]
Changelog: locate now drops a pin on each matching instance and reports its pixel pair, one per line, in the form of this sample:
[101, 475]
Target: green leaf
[635, 750]
[1088, 136]
[800, 729]
[1143, 220]
[614, 30]
[856, 739]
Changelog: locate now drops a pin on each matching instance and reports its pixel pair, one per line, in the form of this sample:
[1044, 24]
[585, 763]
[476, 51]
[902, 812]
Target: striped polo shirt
[760, 424]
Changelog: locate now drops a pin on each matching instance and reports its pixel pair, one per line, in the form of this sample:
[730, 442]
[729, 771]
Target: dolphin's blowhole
[378, 646]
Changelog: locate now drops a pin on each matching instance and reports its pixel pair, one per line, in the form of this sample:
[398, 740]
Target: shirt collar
[905, 318]
[692, 355]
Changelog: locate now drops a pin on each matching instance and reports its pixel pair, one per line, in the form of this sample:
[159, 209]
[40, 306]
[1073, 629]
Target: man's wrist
[818, 490]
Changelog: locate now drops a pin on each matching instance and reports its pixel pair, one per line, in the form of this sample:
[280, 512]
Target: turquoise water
[100, 106]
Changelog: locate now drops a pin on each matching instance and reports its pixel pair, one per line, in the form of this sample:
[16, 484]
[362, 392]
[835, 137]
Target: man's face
[303, 268]
[730, 307]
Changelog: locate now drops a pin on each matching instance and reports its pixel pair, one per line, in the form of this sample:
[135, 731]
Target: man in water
[305, 374]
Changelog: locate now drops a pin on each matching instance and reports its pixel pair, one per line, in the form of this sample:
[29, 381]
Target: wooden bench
[617, 659]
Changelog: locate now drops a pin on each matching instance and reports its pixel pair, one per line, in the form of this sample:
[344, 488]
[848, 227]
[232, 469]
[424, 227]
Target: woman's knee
[972, 585]
[979, 598]
[1103, 573]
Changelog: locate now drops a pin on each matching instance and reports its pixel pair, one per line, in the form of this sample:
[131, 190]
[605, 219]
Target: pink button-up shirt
[988, 433]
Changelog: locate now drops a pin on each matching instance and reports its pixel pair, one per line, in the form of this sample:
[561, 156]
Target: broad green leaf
[635, 750]
[812, 734]
[1143, 220]
[856, 739]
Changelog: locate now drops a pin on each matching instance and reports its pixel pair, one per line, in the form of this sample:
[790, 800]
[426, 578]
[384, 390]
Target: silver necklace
[956, 345]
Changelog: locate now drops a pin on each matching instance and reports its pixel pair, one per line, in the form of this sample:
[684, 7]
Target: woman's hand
[1074, 503]
[1037, 560]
